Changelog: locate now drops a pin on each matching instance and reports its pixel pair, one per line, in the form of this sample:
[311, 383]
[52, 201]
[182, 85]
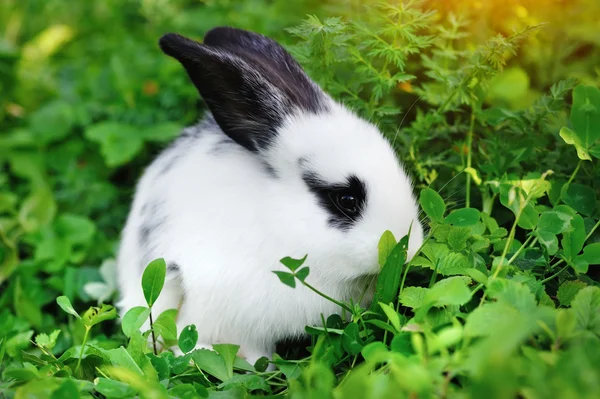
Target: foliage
[500, 126]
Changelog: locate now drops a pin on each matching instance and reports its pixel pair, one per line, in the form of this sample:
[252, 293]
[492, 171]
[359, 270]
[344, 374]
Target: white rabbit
[276, 169]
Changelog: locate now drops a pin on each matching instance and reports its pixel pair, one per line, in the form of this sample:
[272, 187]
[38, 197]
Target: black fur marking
[222, 146]
[153, 220]
[173, 267]
[169, 163]
[328, 194]
[249, 82]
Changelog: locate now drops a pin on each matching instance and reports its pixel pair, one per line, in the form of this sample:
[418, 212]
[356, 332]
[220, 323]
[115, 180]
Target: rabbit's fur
[272, 171]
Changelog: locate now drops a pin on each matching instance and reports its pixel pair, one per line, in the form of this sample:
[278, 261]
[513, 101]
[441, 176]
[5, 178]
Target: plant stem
[152, 332]
[544, 281]
[469, 156]
[519, 250]
[85, 338]
[316, 291]
[575, 172]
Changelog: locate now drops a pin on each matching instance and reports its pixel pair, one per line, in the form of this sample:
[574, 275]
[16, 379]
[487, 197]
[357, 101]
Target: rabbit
[276, 168]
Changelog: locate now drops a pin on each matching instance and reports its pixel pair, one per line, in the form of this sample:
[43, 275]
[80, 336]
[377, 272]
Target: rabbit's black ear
[248, 96]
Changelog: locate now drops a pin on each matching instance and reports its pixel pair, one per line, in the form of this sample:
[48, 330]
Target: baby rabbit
[277, 168]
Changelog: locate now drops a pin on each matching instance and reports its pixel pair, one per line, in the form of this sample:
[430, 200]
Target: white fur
[226, 222]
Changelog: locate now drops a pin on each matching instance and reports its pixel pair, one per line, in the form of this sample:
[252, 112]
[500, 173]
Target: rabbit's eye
[347, 203]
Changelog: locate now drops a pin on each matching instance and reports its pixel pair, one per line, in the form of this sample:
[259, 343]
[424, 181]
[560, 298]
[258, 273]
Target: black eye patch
[344, 201]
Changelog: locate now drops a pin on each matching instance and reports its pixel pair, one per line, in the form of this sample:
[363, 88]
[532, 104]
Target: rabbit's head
[338, 181]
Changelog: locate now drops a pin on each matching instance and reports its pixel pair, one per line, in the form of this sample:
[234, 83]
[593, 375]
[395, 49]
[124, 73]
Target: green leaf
[570, 137]
[47, 341]
[67, 390]
[463, 217]
[160, 364]
[212, 363]
[388, 281]
[161, 132]
[449, 291]
[386, 244]
[165, 325]
[549, 241]
[529, 218]
[413, 297]
[554, 221]
[95, 315]
[286, 278]
[134, 319]
[302, 274]
[573, 240]
[113, 389]
[227, 353]
[402, 343]
[392, 315]
[292, 263]
[188, 338]
[52, 122]
[585, 114]
[457, 238]
[119, 143]
[65, 305]
[153, 280]
[568, 290]
[579, 197]
[586, 306]
[433, 204]
[591, 253]
[351, 339]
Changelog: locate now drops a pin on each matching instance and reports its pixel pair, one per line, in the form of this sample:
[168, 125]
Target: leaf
[292, 263]
[463, 217]
[188, 338]
[585, 114]
[529, 218]
[413, 297]
[579, 197]
[46, 341]
[449, 291]
[153, 280]
[67, 390]
[161, 132]
[568, 290]
[433, 204]
[134, 319]
[286, 278]
[302, 274]
[165, 325]
[386, 244]
[160, 364]
[573, 240]
[351, 339]
[457, 238]
[388, 281]
[591, 253]
[549, 241]
[227, 353]
[119, 143]
[212, 363]
[554, 221]
[95, 315]
[392, 315]
[586, 306]
[402, 343]
[570, 137]
[113, 389]
[65, 305]
[52, 122]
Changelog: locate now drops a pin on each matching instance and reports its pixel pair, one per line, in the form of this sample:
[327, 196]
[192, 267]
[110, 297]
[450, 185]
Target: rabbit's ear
[249, 96]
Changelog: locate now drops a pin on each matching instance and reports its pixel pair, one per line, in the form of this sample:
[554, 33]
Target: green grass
[494, 106]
